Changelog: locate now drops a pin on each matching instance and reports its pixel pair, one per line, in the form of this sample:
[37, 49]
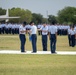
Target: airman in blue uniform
[53, 37]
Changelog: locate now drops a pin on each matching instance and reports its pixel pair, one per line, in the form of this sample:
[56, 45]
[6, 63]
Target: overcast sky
[39, 6]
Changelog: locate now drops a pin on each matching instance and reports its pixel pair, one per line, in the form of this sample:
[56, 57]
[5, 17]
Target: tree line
[65, 16]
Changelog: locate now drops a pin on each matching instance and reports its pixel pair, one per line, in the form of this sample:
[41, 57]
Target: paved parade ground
[38, 52]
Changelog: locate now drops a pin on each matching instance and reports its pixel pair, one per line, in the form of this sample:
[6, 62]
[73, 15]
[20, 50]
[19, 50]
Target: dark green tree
[45, 20]
[37, 18]
[67, 15]
[25, 15]
[2, 11]
[52, 18]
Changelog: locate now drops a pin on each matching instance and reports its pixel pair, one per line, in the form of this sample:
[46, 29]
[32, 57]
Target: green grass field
[12, 42]
[12, 64]
[37, 65]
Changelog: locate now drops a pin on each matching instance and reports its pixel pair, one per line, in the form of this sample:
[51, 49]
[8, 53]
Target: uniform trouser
[39, 32]
[53, 43]
[66, 32]
[3, 29]
[63, 32]
[73, 40]
[34, 40]
[60, 32]
[0, 30]
[17, 31]
[6, 31]
[9, 30]
[44, 42]
[13, 31]
[23, 40]
[70, 41]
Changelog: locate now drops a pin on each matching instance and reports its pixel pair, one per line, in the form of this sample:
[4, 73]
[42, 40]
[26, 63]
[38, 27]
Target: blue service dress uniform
[0, 28]
[22, 38]
[72, 33]
[53, 34]
[69, 37]
[75, 34]
[44, 30]
[34, 38]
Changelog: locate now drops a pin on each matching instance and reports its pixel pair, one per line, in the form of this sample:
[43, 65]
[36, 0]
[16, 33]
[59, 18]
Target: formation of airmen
[43, 29]
[61, 29]
[13, 28]
[47, 30]
[69, 30]
[72, 35]
[9, 28]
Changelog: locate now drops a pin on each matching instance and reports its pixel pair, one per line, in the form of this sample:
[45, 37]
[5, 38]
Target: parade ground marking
[38, 52]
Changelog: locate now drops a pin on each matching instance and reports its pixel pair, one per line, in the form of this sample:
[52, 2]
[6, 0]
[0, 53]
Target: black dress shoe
[33, 52]
[54, 53]
[23, 51]
[44, 50]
